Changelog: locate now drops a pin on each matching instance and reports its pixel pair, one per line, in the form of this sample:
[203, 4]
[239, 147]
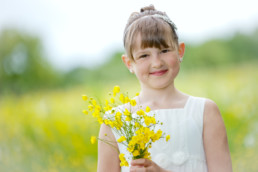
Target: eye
[164, 50]
[143, 56]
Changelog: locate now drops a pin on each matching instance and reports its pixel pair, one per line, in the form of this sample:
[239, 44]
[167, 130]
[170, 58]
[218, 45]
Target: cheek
[173, 62]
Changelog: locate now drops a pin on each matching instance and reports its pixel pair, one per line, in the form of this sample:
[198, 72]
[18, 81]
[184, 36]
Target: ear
[181, 50]
[127, 62]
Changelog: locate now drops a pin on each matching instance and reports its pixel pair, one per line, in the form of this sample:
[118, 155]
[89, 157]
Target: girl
[198, 136]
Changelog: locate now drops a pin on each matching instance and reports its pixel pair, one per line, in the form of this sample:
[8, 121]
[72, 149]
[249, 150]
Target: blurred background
[52, 52]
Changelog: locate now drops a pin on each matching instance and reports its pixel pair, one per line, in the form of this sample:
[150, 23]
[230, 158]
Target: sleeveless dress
[184, 152]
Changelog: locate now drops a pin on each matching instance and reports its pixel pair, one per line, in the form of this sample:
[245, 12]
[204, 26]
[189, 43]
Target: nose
[156, 61]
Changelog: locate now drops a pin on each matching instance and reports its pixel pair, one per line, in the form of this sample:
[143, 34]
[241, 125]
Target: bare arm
[215, 140]
[108, 156]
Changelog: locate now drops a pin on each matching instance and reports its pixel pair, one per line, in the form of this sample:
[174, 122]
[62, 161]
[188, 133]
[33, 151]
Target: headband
[164, 18]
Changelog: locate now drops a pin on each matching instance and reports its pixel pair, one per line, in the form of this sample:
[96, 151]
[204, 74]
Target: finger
[141, 162]
[137, 169]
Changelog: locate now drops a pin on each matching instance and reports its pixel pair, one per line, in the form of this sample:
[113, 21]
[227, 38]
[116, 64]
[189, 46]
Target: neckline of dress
[166, 109]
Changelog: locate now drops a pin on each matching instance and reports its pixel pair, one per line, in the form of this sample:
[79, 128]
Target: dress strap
[194, 109]
[188, 102]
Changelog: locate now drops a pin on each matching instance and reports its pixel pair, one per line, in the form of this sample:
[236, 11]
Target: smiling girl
[198, 135]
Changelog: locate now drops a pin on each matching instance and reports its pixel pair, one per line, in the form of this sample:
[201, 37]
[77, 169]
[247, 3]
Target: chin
[161, 85]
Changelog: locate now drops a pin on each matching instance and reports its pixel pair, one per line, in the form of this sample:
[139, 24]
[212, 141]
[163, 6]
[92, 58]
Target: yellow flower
[106, 102]
[136, 153]
[156, 136]
[127, 112]
[84, 97]
[107, 108]
[167, 137]
[112, 100]
[85, 112]
[94, 103]
[148, 109]
[137, 125]
[93, 139]
[128, 118]
[123, 160]
[97, 108]
[140, 112]
[147, 155]
[133, 102]
[118, 114]
[126, 100]
[122, 98]
[153, 120]
[116, 90]
[147, 120]
[100, 120]
[137, 94]
[90, 107]
[121, 156]
[96, 114]
[121, 139]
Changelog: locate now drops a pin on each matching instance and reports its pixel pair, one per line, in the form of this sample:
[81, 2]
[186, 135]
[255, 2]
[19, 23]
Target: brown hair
[155, 28]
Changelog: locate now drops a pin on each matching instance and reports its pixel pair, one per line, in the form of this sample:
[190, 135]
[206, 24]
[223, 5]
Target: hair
[154, 27]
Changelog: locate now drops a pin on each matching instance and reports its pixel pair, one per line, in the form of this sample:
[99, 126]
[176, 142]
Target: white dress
[184, 152]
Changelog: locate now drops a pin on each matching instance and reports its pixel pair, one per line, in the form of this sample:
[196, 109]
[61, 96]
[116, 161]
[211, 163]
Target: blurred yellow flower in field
[122, 98]
[112, 100]
[116, 90]
[84, 97]
[85, 112]
[90, 107]
[93, 139]
[94, 103]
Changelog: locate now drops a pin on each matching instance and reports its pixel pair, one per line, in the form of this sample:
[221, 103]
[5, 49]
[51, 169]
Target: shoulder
[210, 108]
[211, 112]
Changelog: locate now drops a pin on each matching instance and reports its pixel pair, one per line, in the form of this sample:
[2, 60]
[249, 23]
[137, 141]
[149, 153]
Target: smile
[159, 73]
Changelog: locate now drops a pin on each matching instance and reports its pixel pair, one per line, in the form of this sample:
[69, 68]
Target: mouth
[159, 72]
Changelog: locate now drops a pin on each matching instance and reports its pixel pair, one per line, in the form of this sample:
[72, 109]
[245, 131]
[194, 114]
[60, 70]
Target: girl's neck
[168, 97]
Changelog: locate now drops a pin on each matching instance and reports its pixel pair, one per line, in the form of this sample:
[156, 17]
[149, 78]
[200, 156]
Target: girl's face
[155, 68]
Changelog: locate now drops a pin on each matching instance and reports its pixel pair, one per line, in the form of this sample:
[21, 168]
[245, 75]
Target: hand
[145, 165]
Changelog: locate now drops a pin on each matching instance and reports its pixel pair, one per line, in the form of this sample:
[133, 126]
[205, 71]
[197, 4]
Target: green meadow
[46, 131]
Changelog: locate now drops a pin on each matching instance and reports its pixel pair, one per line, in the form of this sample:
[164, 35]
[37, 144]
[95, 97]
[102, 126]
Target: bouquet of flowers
[134, 125]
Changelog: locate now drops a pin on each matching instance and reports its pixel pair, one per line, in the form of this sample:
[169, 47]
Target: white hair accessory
[166, 19]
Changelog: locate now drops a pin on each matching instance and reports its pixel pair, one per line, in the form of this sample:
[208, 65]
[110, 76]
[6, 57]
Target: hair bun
[148, 8]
